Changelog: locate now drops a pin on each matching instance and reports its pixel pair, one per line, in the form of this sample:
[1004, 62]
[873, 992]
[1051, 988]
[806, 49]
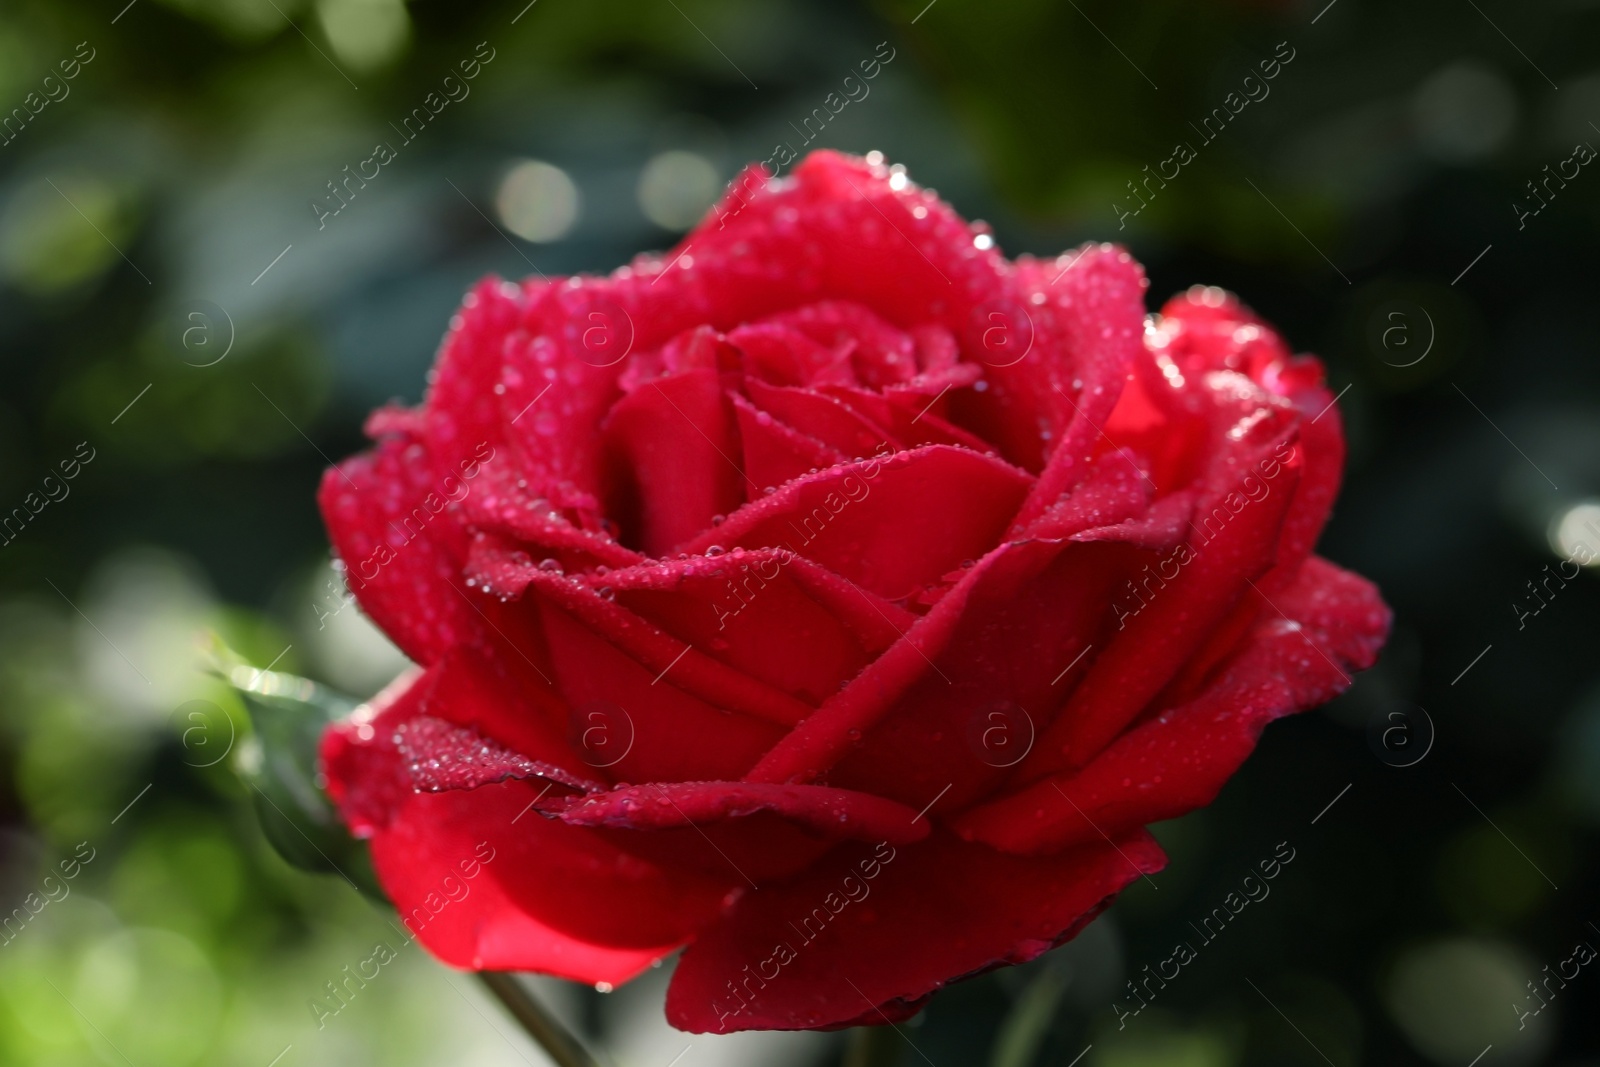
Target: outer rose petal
[1206, 329]
[834, 230]
[1150, 648]
[441, 756]
[824, 738]
[961, 729]
[494, 691]
[875, 945]
[392, 526]
[756, 833]
[554, 898]
[485, 888]
[1178, 759]
[1096, 308]
[462, 409]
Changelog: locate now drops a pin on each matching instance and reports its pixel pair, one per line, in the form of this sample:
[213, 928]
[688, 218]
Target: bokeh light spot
[1453, 997]
[537, 201]
[1464, 112]
[676, 188]
[1575, 534]
[367, 34]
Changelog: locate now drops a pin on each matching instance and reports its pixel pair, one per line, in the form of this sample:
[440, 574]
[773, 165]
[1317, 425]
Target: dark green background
[1389, 154]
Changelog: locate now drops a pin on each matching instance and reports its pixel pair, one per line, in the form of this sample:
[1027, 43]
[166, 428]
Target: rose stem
[873, 1046]
[556, 1040]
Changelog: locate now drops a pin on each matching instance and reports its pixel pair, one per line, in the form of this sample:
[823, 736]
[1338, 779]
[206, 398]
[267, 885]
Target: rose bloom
[832, 599]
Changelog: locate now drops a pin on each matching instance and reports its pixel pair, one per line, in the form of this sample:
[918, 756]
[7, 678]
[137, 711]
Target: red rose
[903, 583]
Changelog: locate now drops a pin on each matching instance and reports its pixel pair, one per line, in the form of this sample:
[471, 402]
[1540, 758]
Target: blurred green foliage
[142, 312]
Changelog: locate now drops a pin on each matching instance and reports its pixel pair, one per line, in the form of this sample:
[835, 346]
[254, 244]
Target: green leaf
[288, 715]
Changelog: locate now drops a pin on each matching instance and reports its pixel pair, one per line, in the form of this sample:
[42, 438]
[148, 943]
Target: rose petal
[484, 884]
[829, 733]
[730, 605]
[501, 501]
[504, 574]
[781, 356]
[674, 735]
[1178, 759]
[841, 814]
[880, 354]
[822, 417]
[776, 453]
[1157, 635]
[505, 700]
[440, 756]
[959, 732]
[836, 229]
[913, 413]
[401, 555]
[1205, 330]
[461, 412]
[1082, 323]
[1113, 491]
[755, 832]
[552, 898]
[675, 438]
[874, 946]
[889, 525]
